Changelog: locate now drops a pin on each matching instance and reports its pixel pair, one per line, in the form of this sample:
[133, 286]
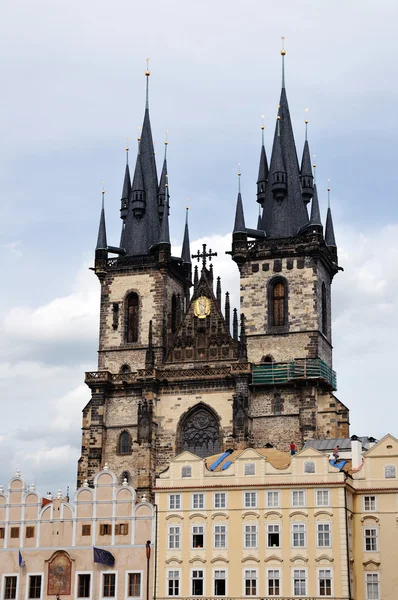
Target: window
[372, 586]
[309, 466]
[34, 586]
[369, 503]
[173, 313]
[274, 582]
[14, 532]
[10, 587]
[273, 499]
[322, 498]
[370, 540]
[220, 582]
[277, 405]
[86, 529]
[174, 501]
[273, 536]
[134, 585]
[132, 318]
[30, 532]
[324, 311]
[220, 500]
[174, 537]
[325, 582]
[186, 471]
[105, 529]
[250, 499]
[122, 529]
[250, 582]
[298, 531]
[299, 582]
[220, 536]
[298, 498]
[125, 443]
[173, 583]
[197, 582]
[198, 535]
[250, 536]
[198, 500]
[109, 584]
[390, 472]
[2, 533]
[323, 535]
[278, 299]
[83, 585]
[250, 469]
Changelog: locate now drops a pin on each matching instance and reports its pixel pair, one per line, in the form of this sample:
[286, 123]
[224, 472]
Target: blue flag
[104, 557]
[20, 560]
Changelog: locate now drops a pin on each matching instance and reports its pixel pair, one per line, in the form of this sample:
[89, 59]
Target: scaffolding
[294, 370]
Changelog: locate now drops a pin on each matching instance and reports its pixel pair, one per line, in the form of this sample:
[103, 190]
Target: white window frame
[323, 523]
[280, 582]
[390, 466]
[323, 491]
[255, 497]
[305, 533]
[102, 573]
[193, 507]
[203, 526]
[126, 583]
[179, 536]
[225, 500]
[306, 581]
[28, 576]
[251, 569]
[251, 533]
[174, 496]
[377, 573]
[167, 582]
[279, 531]
[3, 584]
[304, 498]
[77, 583]
[367, 510]
[226, 581]
[267, 504]
[203, 579]
[376, 538]
[249, 466]
[214, 536]
[331, 581]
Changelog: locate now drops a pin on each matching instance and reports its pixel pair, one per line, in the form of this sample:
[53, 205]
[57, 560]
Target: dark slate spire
[262, 172]
[284, 216]
[162, 183]
[315, 218]
[186, 250]
[227, 311]
[126, 191]
[259, 220]
[218, 292]
[329, 229]
[242, 340]
[142, 229]
[101, 240]
[165, 231]
[306, 178]
[235, 324]
[239, 226]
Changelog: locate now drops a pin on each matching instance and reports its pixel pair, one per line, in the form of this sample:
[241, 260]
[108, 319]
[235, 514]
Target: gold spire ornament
[283, 51]
[147, 72]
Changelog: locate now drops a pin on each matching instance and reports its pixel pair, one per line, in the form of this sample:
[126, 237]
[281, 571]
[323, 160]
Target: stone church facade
[177, 370]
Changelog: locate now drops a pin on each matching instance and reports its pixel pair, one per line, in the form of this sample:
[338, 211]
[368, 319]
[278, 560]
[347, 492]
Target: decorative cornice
[298, 557]
[301, 513]
[324, 557]
[196, 559]
[250, 513]
[174, 516]
[173, 559]
[197, 514]
[273, 557]
[376, 563]
[323, 512]
[251, 557]
[371, 517]
[220, 514]
[219, 559]
[273, 512]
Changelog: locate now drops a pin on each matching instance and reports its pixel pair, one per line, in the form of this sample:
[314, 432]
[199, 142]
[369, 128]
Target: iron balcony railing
[294, 370]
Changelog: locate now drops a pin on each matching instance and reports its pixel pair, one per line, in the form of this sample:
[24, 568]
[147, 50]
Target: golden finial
[103, 187]
[188, 200]
[283, 51]
[127, 144]
[147, 72]
[262, 122]
[139, 133]
[306, 116]
[166, 140]
[278, 118]
[314, 157]
[328, 193]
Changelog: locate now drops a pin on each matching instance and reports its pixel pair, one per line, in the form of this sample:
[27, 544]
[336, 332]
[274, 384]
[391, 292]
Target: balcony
[294, 371]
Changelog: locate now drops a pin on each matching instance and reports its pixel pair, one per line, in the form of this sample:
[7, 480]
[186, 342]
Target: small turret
[306, 177]
[239, 231]
[163, 182]
[186, 250]
[138, 195]
[126, 191]
[101, 239]
[262, 172]
[278, 175]
[330, 240]
[227, 311]
[315, 219]
[165, 231]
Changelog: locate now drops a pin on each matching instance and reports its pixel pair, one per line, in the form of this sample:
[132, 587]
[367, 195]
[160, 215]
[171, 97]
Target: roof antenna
[147, 74]
[306, 123]
[283, 53]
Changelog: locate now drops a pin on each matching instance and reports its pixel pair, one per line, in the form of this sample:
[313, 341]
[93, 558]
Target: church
[176, 370]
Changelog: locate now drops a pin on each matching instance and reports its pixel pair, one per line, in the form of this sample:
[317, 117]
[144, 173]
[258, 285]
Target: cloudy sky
[73, 87]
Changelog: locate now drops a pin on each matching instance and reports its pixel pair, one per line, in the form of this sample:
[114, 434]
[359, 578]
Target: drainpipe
[155, 567]
[347, 540]
[148, 557]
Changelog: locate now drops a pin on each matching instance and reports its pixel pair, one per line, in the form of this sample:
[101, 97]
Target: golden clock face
[201, 307]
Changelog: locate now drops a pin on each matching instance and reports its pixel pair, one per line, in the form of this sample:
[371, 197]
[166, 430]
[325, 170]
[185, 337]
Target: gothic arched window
[125, 443]
[278, 303]
[324, 311]
[173, 313]
[132, 318]
[200, 432]
[277, 404]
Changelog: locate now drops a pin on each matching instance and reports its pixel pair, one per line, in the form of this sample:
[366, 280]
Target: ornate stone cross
[204, 255]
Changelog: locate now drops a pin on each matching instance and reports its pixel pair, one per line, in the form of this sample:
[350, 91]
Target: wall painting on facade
[59, 575]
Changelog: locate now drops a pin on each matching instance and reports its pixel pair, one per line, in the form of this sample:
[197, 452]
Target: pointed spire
[315, 218]
[147, 74]
[163, 181]
[227, 311]
[329, 229]
[239, 226]
[149, 355]
[101, 240]
[218, 292]
[195, 276]
[235, 324]
[242, 340]
[283, 53]
[186, 250]
[279, 176]
[259, 220]
[262, 170]
[126, 191]
[165, 232]
[306, 177]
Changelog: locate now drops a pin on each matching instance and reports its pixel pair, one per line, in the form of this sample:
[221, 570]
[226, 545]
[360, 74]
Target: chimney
[356, 452]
